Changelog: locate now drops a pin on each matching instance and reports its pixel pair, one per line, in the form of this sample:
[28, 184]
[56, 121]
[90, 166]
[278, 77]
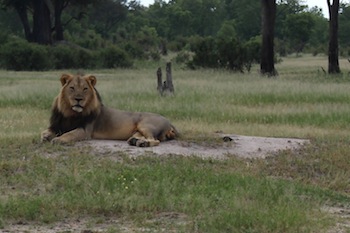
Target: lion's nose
[78, 99]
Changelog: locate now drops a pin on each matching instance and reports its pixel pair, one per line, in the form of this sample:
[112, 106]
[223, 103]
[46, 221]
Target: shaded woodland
[114, 33]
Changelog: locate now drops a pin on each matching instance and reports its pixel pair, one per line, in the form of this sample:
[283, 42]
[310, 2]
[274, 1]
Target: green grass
[47, 184]
[210, 194]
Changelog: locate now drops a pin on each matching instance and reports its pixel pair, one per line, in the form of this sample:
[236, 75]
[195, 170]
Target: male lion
[78, 114]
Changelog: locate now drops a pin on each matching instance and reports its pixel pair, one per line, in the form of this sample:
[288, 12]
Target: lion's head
[78, 96]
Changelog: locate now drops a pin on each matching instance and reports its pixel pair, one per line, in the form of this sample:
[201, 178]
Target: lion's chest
[61, 124]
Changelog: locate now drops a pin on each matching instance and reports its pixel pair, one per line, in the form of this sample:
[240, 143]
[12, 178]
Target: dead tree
[166, 87]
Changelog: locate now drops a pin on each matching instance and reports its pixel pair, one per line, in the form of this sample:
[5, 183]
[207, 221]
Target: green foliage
[135, 50]
[252, 51]
[225, 52]
[246, 15]
[147, 37]
[298, 29]
[142, 31]
[20, 55]
[183, 57]
[206, 54]
[70, 56]
[112, 57]
[344, 25]
[88, 39]
[227, 30]
[64, 57]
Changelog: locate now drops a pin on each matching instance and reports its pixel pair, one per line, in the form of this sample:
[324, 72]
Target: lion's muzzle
[77, 108]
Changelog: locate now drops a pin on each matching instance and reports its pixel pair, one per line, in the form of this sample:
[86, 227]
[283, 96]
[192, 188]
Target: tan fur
[78, 114]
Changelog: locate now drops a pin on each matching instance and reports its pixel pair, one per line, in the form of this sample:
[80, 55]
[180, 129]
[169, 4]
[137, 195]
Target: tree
[298, 29]
[268, 15]
[43, 12]
[114, 12]
[244, 13]
[41, 22]
[333, 50]
[344, 25]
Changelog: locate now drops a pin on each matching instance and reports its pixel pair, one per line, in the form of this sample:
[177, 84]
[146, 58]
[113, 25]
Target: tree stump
[166, 87]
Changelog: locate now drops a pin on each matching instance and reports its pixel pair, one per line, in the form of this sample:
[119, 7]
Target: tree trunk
[59, 6]
[268, 16]
[165, 88]
[333, 60]
[159, 81]
[23, 15]
[41, 22]
[169, 78]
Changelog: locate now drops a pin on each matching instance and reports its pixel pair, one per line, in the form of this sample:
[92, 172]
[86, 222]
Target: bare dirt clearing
[231, 145]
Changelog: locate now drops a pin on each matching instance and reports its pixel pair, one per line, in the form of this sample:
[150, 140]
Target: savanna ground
[52, 188]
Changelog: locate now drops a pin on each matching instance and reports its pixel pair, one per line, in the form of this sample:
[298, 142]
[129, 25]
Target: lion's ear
[65, 78]
[91, 79]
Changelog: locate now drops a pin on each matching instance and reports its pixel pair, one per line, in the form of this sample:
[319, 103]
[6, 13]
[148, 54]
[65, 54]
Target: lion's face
[77, 95]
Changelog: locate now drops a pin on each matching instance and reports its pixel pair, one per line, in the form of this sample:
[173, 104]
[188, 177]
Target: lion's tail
[172, 133]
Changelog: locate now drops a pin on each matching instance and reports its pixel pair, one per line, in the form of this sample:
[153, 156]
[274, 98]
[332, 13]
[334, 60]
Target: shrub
[154, 55]
[183, 57]
[228, 53]
[64, 57]
[135, 50]
[87, 59]
[70, 56]
[21, 55]
[206, 54]
[252, 52]
[113, 57]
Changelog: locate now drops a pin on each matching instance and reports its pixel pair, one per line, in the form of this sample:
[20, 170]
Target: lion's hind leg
[138, 139]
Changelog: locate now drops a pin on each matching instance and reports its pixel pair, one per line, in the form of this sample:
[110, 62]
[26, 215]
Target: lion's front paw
[58, 140]
[47, 135]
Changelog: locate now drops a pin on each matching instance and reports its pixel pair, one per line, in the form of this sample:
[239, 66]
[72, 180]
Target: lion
[78, 114]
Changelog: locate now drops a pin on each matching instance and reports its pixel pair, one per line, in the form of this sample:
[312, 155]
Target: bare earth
[234, 145]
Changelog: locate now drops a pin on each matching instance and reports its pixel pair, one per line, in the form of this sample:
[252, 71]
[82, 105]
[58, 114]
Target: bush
[113, 57]
[252, 52]
[64, 57]
[68, 56]
[134, 50]
[154, 55]
[228, 53]
[21, 55]
[206, 54]
[183, 57]
[87, 59]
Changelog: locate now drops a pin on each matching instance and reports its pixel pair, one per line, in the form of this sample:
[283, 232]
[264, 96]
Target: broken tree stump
[166, 87]
[159, 80]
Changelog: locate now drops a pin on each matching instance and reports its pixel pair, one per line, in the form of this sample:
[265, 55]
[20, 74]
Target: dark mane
[60, 124]
[98, 97]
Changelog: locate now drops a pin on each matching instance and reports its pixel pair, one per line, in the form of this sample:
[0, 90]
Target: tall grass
[281, 194]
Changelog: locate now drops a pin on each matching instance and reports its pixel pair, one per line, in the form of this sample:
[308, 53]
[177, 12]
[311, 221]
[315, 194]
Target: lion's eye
[71, 88]
[85, 89]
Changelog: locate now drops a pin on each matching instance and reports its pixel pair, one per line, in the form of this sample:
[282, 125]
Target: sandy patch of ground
[231, 145]
[343, 215]
[164, 222]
